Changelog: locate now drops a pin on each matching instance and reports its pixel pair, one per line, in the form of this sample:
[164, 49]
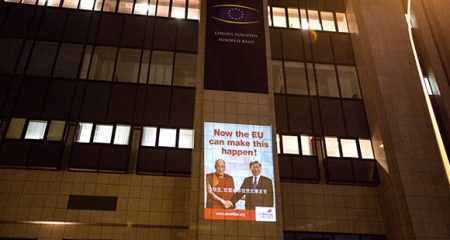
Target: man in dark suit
[257, 190]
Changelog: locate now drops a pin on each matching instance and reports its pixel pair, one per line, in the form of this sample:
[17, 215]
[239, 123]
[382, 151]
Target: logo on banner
[266, 214]
[235, 14]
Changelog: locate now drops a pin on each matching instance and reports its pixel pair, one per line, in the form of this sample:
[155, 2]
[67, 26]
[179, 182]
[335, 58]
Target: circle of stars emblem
[235, 14]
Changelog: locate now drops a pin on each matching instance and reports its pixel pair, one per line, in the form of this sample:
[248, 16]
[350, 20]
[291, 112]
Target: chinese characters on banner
[239, 177]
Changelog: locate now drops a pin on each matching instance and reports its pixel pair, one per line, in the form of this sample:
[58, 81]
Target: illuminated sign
[239, 177]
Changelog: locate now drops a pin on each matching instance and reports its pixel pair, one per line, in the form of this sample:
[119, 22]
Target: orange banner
[229, 214]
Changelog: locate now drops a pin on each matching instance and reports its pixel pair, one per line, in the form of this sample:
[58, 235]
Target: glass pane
[127, 68]
[149, 136]
[278, 144]
[161, 68]
[290, 144]
[178, 9]
[109, 6]
[86, 4]
[163, 8]
[122, 135]
[186, 138]
[314, 22]
[278, 79]
[98, 5]
[167, 137]
[296, 78]
[304, 19]
[193, 10]
[32, 2]
[332, 146]
[348, 81]
[125, 6]
[349, 148]
[185, 69]
[68, 60]
[342, 22]
[269, 16]
[279, 17]
[36, 129]
[143, 75]
[366, 149]
[326, 80]
[53, 3]
[84, 132]
[294, 19]
[328, 21]
[307, 145]
[141, 7]
[15, 128]
[103, 133]
[86, 61]
[102, 64]
[311, 79]
[56, 130]
[42, 59]
[70, 3]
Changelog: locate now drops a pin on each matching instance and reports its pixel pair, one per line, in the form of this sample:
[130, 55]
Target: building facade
[105, 107]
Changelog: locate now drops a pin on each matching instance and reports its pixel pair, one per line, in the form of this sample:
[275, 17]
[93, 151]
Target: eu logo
[235, 14]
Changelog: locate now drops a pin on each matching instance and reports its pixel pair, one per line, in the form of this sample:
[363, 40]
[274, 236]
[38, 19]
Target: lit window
[86, 4]
[193, 9]
[15, 128]
[36, 129]
[141, 7]
[349, 148]
[98, 5]
[109, 6]
[56, 130]
[122, 135]
[328, 21]
[163, 8]
[304, 19]
[125, 6]
[294, 20]
[84, 132]
[279, 17]
[278, 144]
[314, 22]
[342, 22]
[278, 79]
[53, 3]
[178, 9]
[167, 137]
[290, 144]
[348, 80]
[70, 4]
[332, 147]
[186, 138]
[366, 148]
[103, 133]
[149, 137]
[268, 16]
[307, 145]
[32, 2]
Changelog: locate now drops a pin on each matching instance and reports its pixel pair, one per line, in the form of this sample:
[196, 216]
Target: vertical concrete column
[236, 108]
[414, 192]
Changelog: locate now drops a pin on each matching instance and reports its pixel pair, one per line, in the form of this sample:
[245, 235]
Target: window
[84, 132]
[126, 6]
[290, 144]
[141, 7]
[109, 6]
[307, 145]
[328, 21]
[122, 135]
[127, 69]
[314, 22]
[70, 4]
[278, 79]
[42, 59]
[294, 19]
[102, 64]
[163, 8]
[149, 136]
[311, 79]
[349, 148]
[161, 68]
[326, 80]
[278, 143]
[296, 78]
[56, 130]
[269, 16]
[103, 133]
[193, 9]
[342, 22]
[178, 9]
[15, 128]
[185, 69]
[186, 138]
[36, 130]
[348, 81]
[279, 17]
[143, 75]
[366, 149]
[332, 147]
[304, 19]
[167, 137]
[86, 4]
